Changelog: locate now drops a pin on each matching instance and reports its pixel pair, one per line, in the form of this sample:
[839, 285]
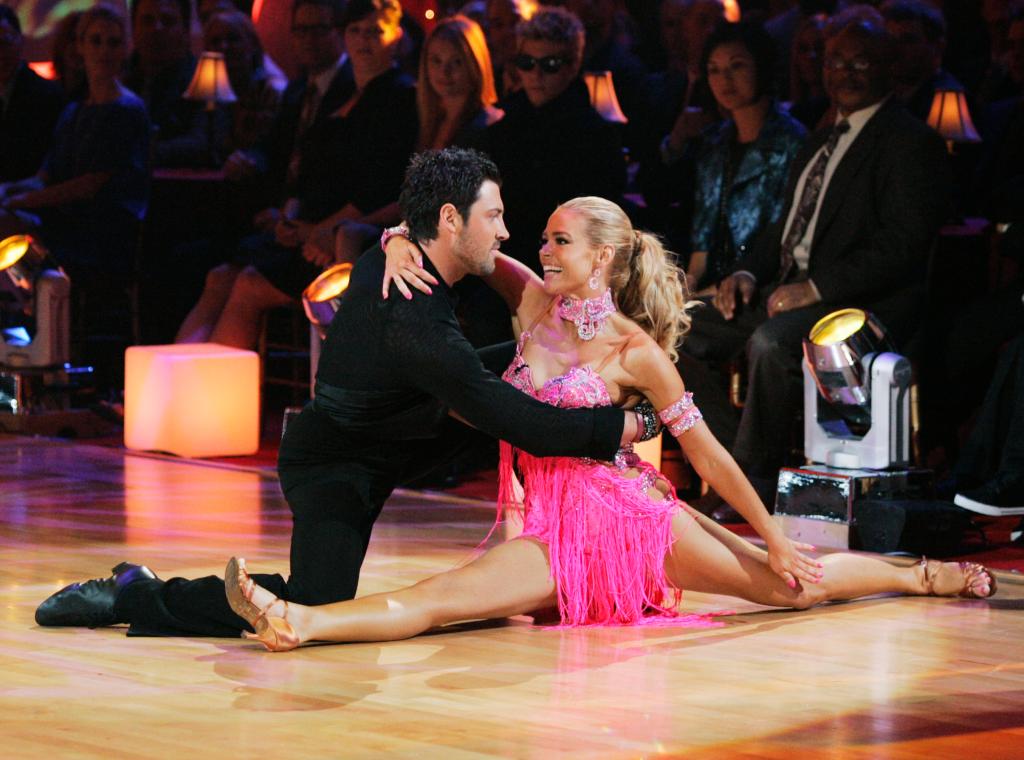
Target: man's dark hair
[437, 177]
[758, 43]
[933, 23]
[184, 7]
[356, 10]
[336, 7]
[7, 14]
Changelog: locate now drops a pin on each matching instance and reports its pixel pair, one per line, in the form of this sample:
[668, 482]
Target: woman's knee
[221, 278]
[810, 595]
[254, 292]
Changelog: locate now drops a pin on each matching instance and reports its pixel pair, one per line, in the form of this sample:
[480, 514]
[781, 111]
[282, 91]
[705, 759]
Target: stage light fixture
[321, 298]
[856, 394]
[34, 305]
[320, 301]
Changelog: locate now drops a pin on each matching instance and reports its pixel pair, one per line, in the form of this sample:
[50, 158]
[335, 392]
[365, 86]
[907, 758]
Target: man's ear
[449, 219]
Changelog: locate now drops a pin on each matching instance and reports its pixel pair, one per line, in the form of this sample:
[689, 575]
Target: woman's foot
[267, 614]
[965, 579]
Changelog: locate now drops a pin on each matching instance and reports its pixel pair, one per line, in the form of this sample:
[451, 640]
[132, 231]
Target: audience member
[502, 18]
[29, 105]
[742, 162]
[349, 174]
[978, 329]
[159, 70]
[808, 101]
[455, 94]
[67, 61]
[551, 145]
[990, 470]
[783, 28]
[919, 32]
[324, 85]
[603, 50]
[206, 9]
[864, 200]
[90, 192]
[999, 83]
[679, 107]
[247, 121]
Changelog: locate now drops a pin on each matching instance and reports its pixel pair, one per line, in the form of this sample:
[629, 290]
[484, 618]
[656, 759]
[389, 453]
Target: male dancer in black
[390, 373]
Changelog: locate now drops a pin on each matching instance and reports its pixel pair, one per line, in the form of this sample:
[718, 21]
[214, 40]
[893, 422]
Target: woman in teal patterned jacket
[742, 162]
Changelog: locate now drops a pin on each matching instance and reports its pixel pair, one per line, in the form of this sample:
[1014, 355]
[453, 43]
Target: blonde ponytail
[646, 284]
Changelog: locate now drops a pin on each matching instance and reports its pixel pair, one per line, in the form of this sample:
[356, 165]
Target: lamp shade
[321, 297]
[834, 349]
[602, 96]
[950, 117]
[210, 83]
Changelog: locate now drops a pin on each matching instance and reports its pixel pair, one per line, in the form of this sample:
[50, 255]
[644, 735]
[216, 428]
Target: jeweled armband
[389, 232]
[681, 416]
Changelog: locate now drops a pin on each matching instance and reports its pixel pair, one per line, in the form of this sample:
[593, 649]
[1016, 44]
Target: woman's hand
[404, 267]
[787, 560]
[319, 246]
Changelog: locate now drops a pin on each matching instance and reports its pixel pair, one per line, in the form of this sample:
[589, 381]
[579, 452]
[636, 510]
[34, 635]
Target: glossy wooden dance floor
[883, 678]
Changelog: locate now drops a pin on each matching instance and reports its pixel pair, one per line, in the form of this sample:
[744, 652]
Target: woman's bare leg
[510, 579]
[239, 321]
[204, 315]
[700, 561]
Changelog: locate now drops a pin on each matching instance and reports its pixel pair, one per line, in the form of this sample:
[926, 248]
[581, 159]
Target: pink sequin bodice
[577, 388]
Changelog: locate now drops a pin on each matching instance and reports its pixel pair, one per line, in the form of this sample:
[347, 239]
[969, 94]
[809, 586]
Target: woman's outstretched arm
[655, 375]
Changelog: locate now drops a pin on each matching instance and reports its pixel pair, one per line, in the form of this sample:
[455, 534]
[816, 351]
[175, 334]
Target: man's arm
[431, 353]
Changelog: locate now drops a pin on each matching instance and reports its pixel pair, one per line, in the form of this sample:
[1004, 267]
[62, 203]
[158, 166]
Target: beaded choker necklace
[589, 314]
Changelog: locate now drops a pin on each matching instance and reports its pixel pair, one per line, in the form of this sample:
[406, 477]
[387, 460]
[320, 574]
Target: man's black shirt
[391, 369]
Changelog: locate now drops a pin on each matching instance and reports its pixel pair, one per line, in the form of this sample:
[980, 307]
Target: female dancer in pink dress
[607, 542]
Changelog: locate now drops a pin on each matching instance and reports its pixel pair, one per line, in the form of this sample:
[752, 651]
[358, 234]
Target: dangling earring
[594, 282]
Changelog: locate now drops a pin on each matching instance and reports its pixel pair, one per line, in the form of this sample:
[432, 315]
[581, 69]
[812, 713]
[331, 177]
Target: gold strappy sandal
[275, 633]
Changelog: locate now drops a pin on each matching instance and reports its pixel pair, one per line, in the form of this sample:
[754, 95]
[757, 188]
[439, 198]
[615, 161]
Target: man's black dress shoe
[91, 604]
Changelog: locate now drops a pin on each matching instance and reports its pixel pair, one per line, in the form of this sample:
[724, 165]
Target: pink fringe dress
[607, 537]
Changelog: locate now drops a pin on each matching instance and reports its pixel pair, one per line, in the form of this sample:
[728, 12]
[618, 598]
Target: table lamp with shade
[210, 85]
[950, 117]
[602, 96]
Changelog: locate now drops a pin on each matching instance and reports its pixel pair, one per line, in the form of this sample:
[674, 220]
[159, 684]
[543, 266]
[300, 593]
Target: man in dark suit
[324, 85]
[864, 201]
[29, 106]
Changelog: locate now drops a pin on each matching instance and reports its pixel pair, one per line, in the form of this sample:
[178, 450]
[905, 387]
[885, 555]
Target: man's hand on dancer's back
[404, 267]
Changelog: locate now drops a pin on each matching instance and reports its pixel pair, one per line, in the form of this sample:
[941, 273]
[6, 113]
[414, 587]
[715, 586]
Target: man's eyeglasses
[860, 65]
[549, 64]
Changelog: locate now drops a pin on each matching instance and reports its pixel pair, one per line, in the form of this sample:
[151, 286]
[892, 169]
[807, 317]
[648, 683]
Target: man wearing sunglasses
[551, 145]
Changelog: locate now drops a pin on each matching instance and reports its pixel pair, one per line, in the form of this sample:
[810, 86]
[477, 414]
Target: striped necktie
[809, 200]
